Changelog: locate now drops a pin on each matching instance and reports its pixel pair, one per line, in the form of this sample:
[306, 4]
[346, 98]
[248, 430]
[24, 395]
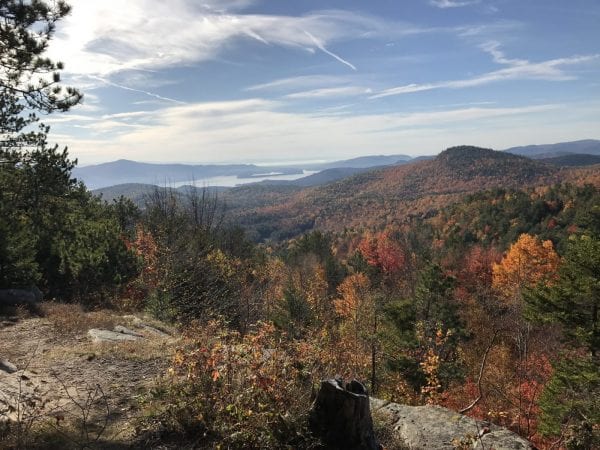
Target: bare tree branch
[481, 370]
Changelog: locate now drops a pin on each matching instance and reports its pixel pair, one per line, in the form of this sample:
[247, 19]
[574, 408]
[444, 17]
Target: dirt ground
[72, 386]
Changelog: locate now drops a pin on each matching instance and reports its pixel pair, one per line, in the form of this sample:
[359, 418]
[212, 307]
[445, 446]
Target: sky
[267, 81]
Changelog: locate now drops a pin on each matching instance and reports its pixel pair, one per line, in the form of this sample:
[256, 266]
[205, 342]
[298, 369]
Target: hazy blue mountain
[124, 171]
[137, 191]
[422, 158]
[132, 191]
[127, 172]
[362, 162]
[587, 146]
[322, 177]
[572, 160]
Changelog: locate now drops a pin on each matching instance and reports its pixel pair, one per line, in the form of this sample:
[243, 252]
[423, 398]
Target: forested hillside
[371, 199]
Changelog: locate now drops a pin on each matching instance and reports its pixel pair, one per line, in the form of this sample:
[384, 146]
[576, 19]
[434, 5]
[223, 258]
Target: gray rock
[99, 335]
[155, 331]
[434, 427]
[12, 297]
[139, 323]
[7, 366]
[124, 330]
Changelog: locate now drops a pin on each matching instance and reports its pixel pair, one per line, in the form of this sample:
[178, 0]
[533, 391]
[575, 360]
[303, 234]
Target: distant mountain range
[362, 162]
[133, 179]
[386, 195]
[572, 160]
[587, 147]
[360, 197]
[125, 171]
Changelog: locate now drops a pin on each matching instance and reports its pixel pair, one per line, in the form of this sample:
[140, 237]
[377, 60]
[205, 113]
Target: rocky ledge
[341, 417]
[434, 427]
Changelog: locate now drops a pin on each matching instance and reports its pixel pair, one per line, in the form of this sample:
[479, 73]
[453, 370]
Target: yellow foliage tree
[354, 296]
[357, 306]
[528, 262]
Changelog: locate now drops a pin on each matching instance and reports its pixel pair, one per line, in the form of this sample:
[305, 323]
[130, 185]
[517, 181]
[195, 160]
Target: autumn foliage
[528, 262]
[382, 251]
[430, 311]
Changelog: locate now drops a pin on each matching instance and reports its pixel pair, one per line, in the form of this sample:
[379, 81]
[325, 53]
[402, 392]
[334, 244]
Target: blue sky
[273, 80]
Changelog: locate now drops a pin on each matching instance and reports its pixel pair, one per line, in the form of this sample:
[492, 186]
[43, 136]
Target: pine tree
[53, 230]
[574, 300]
[569, 403]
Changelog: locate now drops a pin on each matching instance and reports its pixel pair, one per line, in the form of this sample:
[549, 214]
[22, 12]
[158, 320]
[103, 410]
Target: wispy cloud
[141, 91]
[256, 129]
[518, 69]
[490, 30]
[66, 118]
[453, 3]
[343, 91]
[127, 115]
[102, 38]
[321, 47]
[493, 48]
[305, 81]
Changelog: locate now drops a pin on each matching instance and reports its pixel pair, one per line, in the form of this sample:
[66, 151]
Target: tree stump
[341, 416]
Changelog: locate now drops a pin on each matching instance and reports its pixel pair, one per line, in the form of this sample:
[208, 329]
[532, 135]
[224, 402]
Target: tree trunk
[341, 416]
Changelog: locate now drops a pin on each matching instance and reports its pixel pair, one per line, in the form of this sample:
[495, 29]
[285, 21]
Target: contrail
[151, 94]
[321, 47]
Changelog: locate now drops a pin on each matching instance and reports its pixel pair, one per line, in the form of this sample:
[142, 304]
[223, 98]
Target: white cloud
[300, 82]
[142, 91]
[102, 38]
[258, 130]
[490, 30]
[453, 3]
[321, 47]
[518, 69]
[127, 115]
[66, 118]
[343, 91]
[493, 48]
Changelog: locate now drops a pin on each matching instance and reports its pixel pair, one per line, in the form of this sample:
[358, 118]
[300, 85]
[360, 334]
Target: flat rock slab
[434, 427]
[155, 331]
[124, 330]
[139, 323]
[99, 335]
[7, 366]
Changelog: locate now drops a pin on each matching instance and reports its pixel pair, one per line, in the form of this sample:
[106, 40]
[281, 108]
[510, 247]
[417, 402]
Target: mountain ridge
[583, 146]
[393, 193]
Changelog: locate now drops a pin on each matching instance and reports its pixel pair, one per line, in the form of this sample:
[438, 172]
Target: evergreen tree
[574, 300]
[569, 403]
[436, 314]
[52, 231]
[30, 171]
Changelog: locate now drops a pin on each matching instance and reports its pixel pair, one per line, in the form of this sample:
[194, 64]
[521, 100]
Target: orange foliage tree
[145, 247]
[382, 251]
[528, 262]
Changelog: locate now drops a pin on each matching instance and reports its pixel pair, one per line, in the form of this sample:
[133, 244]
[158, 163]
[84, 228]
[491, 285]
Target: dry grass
[71, 319]
[385, 434]
[147, 350]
